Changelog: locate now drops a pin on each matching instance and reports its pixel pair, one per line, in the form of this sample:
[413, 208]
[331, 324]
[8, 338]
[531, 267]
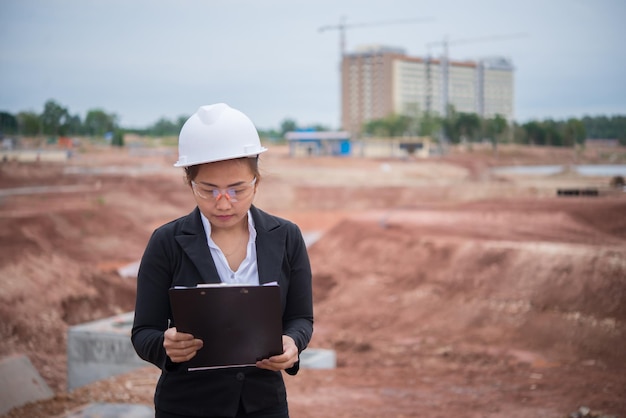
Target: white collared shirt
[248, 272]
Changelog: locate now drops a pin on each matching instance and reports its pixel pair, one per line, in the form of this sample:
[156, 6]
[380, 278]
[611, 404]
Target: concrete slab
[129, 270]
[35, 155]
[112, 410]
[20, 383]
[318, 358]
[100, 349]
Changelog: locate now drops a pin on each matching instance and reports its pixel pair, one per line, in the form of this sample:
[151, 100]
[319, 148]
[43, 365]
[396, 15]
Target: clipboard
[239, 324]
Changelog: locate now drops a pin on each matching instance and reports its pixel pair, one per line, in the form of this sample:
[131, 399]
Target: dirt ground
[445, 290]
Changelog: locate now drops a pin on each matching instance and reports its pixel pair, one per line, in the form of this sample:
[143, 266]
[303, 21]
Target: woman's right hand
[180, 346]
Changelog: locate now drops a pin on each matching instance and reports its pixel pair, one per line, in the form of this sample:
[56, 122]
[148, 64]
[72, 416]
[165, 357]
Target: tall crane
[445, 61]
[342, 26]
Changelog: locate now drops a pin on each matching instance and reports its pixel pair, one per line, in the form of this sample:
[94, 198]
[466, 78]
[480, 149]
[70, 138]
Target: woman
[224, 239]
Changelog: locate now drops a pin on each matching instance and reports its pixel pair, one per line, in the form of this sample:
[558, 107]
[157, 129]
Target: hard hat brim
[186, 163]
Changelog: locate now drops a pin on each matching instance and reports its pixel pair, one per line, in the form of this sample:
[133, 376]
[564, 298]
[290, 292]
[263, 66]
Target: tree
[449, 125]
[398, 125]
[74, 125]
[98, 122]
[287, 125]
[8, 123]
[164, 127]
[602, 127]
[375, 127]
[180, 122]
[534, 133]
[494, 129]
[468, 126]
[428, 124]
[29, 123]
[393, 125]
[54, 119]
[552, 133]
[574, 133]
[118, 138]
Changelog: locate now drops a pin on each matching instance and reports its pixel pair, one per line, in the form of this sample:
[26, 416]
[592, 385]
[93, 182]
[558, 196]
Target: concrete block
[100, 349]
[318, 358]
[20, 383]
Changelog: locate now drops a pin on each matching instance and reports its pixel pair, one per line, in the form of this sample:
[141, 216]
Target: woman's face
[224, 192]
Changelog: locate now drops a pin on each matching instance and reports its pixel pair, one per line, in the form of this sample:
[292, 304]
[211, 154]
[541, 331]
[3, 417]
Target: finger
[178, 356]
[178, 336]
[181, 358]
[187, 345]
[281, 362]
[182, 350]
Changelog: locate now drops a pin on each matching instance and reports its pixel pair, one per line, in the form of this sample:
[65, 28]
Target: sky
[149, 59]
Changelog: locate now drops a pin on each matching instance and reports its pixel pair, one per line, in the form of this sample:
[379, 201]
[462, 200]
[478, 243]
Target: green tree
[393, 125]
[54, 119]
[375, 127]
[8, 123]
[574, 132]
[180, 122]
[98, 122]
[74, 125]
[449, 126]
[287, 125]
[29, 123]
[468, 126]
[428, 124]
[118, 138]
[603, 127]
[494, 129]
[164, 127]
[535, 134]
[398, 125]
[552, 133]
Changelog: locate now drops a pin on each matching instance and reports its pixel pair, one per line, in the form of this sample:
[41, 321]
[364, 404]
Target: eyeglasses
[232, 194]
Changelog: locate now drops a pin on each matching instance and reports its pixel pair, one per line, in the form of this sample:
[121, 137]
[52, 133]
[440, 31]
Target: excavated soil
[446, 291]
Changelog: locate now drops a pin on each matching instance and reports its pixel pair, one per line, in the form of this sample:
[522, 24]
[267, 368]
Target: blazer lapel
[270, 244]
[192, 240]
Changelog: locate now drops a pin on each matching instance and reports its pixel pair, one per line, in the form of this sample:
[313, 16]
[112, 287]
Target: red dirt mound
[445, 291]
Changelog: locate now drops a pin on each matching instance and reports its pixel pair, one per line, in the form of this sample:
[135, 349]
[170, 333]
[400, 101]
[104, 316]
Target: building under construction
[378, 81]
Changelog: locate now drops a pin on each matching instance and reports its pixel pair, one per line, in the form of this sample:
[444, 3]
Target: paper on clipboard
[239, 324]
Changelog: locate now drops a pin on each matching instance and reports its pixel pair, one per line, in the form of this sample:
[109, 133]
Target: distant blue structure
[310, 143]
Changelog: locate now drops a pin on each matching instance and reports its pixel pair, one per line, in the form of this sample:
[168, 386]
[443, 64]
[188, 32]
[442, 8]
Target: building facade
[377, 81]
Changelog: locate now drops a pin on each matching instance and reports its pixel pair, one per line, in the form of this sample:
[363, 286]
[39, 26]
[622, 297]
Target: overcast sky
[147, 59]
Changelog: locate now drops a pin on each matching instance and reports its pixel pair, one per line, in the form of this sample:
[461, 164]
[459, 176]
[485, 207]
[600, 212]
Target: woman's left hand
[283, 361]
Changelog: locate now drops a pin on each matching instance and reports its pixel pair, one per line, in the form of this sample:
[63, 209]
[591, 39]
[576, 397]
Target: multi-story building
[378, 81]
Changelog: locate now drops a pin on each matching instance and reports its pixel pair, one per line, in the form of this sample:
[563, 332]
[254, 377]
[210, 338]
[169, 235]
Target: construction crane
[342, 26]
[445, 62]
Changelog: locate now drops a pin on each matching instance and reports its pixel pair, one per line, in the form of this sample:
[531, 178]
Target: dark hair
[253, 162]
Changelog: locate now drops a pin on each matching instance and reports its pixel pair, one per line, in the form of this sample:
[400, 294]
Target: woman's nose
[223, 200]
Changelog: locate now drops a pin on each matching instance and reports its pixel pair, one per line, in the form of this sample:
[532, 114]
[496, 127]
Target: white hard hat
[217, 132]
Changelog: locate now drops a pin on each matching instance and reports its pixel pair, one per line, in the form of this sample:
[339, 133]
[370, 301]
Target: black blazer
[177, 254]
